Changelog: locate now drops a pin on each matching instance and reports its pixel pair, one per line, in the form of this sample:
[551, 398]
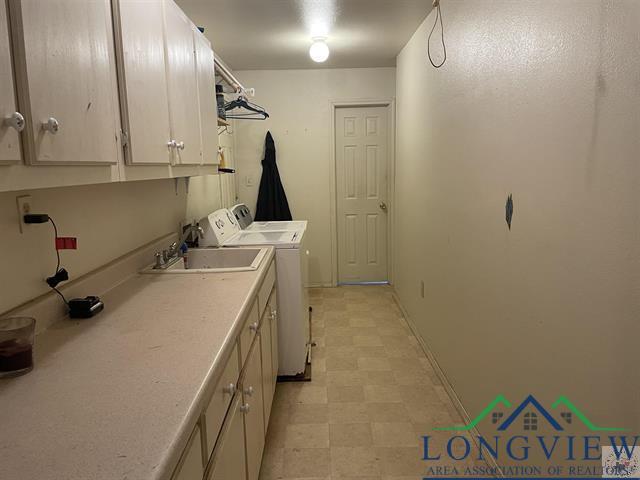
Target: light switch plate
[23, 203]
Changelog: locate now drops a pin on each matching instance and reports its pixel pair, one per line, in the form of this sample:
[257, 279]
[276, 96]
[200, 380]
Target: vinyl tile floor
[372, 396]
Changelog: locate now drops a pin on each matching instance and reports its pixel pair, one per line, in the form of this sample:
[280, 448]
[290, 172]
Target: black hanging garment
[272, 200]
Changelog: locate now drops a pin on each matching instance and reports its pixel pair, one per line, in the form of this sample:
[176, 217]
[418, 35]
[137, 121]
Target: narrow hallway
[373, 394]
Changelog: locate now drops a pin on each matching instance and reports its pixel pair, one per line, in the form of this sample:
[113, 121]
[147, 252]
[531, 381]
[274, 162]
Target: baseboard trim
[453, 396]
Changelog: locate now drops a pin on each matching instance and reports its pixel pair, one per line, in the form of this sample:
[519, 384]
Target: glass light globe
[319, 51]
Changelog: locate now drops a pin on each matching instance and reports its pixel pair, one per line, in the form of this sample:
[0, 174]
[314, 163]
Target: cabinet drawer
[248, 333]
[267, 286]
[221, 399]
[190, 466]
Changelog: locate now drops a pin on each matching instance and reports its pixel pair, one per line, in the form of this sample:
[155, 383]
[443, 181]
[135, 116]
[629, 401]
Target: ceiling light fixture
[319, 51]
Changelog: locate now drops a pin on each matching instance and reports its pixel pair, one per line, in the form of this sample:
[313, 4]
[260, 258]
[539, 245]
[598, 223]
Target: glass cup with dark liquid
[16, 345]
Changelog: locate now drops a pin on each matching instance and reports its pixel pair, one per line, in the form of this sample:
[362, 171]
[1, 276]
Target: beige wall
[298, 102]
[540, 99]
[109, 220]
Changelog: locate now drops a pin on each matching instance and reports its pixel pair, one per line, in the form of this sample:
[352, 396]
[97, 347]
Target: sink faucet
[168, 257]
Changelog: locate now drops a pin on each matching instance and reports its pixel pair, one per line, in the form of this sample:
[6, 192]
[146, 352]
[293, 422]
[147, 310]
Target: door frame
[390, 103]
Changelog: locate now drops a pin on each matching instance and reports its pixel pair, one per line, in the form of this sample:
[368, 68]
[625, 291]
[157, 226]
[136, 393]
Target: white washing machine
[244, 218]
[294, 342]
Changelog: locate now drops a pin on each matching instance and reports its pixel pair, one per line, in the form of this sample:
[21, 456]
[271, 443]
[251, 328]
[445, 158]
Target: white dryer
[221, 229]
[243, 216]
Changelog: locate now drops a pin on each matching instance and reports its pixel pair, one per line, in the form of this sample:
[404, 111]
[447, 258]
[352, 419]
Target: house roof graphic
[530, 401]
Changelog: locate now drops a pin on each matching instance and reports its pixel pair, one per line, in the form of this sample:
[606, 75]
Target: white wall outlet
[248, 181]
[23, 203]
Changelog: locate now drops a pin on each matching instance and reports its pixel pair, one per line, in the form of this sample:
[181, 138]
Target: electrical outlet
[248, 180]
[23, 204]
[422, 288]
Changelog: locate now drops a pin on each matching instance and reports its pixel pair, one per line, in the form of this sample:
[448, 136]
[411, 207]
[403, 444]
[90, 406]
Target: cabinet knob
[51, 125]
[171, 144]
[180, 145]
[254, 327]
[249, 391]
[245, 408]
[230, 389]
[274, 314]
[15, 121]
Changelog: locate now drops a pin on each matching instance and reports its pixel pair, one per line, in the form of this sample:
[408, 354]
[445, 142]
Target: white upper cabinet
[183, 86]
[207, 97]
[66, 83]
[143, 79]
[11, 121]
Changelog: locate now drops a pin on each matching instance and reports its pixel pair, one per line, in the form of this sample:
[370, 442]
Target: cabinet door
[207, 99]
[254, 416]
[66, 83]
[9, 137]
[191, 467]
[143, 76]
[267, 365]
[183, 86]
[229, 457]
[273, 307]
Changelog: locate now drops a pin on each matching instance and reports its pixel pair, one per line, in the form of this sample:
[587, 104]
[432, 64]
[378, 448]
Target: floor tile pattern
[373, 394]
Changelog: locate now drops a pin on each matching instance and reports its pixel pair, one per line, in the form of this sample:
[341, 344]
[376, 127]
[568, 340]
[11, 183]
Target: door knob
[51, 125]
[15, 120]
[383, 206]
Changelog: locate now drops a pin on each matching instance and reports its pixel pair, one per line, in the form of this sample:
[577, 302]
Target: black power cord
[60, 275]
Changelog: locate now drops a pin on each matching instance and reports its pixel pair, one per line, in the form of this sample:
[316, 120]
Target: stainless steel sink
[215, 260]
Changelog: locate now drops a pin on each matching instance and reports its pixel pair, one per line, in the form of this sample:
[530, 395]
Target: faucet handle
[159, 260]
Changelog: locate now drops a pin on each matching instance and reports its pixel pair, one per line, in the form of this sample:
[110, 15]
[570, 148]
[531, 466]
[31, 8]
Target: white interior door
[9, 136]
[362, 139]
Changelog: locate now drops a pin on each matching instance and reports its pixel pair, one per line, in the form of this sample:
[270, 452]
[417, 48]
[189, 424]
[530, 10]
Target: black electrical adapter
[85, 307]
[36, 218]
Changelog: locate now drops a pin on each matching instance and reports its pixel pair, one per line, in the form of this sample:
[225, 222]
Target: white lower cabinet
[229, 461]
[266, 349]
[191, 467]
[254, 416]
[230, 435]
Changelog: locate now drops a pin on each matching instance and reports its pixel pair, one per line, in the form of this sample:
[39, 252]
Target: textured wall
[299, 104]
[109, 220]
[540, 99]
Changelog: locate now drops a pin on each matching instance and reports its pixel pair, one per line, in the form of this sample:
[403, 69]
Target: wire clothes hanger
[243, 109]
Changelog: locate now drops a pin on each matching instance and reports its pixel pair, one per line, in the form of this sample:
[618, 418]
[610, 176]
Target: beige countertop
[117, 396]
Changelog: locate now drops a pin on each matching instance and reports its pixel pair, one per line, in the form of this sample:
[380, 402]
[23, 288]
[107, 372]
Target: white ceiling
[276, 34]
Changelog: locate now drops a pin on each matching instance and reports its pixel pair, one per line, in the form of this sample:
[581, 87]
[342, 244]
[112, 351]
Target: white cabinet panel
[254, 417]
[65, 71]
[9, 136]
[207, 99]
[267, 366]
[191, 467]
[230, 457]
[183, 86]
[144, 82]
